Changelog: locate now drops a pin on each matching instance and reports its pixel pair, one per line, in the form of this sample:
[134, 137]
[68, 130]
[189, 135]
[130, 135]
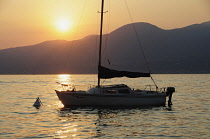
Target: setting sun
[63, 25]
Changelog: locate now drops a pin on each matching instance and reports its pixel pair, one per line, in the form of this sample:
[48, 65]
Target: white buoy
[37, 103]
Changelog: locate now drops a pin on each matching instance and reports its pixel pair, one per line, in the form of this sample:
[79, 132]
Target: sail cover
[105, 73]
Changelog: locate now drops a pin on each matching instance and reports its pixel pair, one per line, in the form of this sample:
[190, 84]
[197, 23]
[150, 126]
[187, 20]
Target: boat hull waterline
[82, 98]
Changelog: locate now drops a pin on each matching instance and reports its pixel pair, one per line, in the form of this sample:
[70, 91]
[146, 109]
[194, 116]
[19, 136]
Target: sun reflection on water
[66, 131]
[64, 78]
[64, 81]
[58, 104]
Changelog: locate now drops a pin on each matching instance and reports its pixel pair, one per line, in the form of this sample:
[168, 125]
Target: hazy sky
[27, 22]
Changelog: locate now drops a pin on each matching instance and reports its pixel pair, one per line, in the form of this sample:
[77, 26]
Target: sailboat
[117, 94]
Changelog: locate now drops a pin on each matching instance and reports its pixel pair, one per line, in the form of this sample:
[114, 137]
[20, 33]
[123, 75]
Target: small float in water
[37, 103]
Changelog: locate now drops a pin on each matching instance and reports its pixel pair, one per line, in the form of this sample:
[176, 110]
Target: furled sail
[105, 73]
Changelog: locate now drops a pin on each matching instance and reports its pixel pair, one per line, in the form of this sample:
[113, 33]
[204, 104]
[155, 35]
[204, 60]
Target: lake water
[189, 116]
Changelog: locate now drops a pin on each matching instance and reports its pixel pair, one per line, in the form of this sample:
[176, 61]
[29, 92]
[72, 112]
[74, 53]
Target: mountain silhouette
[181, 50]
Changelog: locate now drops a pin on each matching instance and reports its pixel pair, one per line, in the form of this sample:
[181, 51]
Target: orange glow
[63, 25]
[51, 19]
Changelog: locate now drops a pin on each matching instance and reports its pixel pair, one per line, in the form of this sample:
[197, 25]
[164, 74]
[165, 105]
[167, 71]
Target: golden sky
[27, 22]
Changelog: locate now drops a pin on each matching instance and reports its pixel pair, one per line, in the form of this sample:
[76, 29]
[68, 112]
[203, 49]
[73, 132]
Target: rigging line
[107, 33]
[75, 32]
[103, 81]
[139, 42]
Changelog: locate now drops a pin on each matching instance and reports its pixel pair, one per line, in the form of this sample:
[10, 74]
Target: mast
[100, 43]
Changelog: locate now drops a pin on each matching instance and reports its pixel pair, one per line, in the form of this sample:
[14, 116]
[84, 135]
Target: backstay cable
[139, 42]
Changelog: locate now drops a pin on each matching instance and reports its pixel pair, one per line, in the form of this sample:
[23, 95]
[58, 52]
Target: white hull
[86, 99]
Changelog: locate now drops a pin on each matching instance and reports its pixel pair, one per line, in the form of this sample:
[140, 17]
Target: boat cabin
[112, 89]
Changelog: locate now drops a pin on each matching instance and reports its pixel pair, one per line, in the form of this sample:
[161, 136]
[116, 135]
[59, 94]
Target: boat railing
[163, 89]
[73, 87]
[65, 87]
[151, 87]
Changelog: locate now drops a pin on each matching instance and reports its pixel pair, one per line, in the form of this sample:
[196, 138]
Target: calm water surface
[189, 117]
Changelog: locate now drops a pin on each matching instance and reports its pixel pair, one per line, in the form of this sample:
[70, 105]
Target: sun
[63, 25]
